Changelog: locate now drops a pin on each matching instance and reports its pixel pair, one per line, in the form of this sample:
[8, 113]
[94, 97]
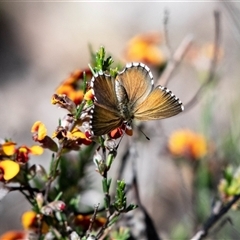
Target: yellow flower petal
[8, 148]
[40, 128]
[10, 169]
[28, 219]
[78, 134]
[42, 132]
[35, 126]
[37, 150]
[88, 95]
[23, 149]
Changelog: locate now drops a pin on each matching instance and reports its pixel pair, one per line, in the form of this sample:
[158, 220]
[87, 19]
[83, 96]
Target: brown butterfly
[130, 95]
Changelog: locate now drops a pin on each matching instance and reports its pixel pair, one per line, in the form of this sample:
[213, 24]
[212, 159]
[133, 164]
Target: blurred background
[42, 43]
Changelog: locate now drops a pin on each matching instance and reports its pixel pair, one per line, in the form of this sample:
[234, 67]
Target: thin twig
[214, 218]
[53, 173]
[22, 188]
[105, 226]
[106, 232]
[213, 66]
[31, 192]
[92, 219]
[175, 60]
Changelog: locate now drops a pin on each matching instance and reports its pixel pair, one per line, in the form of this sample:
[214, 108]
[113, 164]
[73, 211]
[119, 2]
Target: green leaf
[113, 220]
[109, 161]
[100, 62]
[121, 234]
[105, 185]
[131, 207]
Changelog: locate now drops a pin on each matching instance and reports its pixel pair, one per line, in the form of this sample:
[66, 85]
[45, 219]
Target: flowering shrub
[55, 193]
[54, 213]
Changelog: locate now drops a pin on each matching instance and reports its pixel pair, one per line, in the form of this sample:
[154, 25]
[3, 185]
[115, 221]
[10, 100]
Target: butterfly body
[124, 107]
[130, 95]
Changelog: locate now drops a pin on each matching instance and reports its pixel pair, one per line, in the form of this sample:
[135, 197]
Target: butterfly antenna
[144, 134]
[120, 140]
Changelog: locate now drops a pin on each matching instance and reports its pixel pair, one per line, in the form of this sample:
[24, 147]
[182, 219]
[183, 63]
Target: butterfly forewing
[137, 79]
[161, 103]
[104, 93]
[104, 115]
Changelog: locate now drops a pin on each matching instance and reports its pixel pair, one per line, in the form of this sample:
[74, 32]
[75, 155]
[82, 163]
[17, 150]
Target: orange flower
[30, 222]
[73, 85]
[145, 48]
[75, 95]
[39, 130]
[8, 169]
[78, 136]
[73, 78]
[63, 101]
[40, 135]
[60, 133]
[22, 153]
[89, 95]
[29, 219]
[8, 148]
[71, 140]
[14, 235]
[187, 144]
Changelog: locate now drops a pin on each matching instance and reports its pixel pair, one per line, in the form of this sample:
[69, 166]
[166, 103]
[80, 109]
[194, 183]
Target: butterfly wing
[137, 80]
[103, 120]
[104, 114]
[104, 92]
[161, 103]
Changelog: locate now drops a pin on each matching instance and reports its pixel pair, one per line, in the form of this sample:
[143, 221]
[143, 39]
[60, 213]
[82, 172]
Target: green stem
[53, 173]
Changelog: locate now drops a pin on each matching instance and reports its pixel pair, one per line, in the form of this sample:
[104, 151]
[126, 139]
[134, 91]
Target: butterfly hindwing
[103, 121]
[137, 79]
[160, 103]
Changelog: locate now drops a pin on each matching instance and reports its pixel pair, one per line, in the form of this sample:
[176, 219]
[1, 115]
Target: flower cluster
[12, 157]
[73, 85]
[34, 222]
[187, 144]
[75, 96]
[146, 48]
